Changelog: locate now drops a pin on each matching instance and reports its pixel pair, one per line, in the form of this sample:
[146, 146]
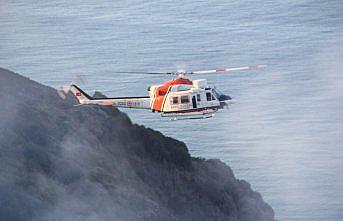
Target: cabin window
[184, 99]
[175, 100]
[208, 96]
[198, 97]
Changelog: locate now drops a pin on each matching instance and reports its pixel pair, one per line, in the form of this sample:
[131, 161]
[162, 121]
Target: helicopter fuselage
[176, 98]
[179, 97]
[182, 96]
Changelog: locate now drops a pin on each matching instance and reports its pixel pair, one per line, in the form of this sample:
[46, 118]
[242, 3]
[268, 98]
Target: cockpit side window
[208, 96]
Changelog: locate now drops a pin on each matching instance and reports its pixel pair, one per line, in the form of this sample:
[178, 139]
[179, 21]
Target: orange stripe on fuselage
[162, 92]
[158, 101]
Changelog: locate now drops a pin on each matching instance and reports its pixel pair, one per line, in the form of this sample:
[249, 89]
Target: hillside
[61, 162]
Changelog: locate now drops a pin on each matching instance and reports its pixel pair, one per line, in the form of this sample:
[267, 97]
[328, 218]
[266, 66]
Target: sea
[284, 131]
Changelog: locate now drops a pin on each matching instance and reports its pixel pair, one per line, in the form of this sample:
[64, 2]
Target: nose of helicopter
[224, 100]
[224, 97]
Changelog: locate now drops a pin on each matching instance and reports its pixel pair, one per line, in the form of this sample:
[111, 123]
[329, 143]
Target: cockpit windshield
[216, 93]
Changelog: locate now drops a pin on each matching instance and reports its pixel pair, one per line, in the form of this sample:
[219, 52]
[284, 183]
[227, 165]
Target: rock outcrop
[61, 162]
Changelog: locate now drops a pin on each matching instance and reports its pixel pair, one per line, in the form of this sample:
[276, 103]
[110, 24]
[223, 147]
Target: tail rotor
[63, 92]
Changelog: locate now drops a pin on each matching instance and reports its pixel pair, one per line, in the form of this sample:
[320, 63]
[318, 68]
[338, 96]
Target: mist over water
[283, 134]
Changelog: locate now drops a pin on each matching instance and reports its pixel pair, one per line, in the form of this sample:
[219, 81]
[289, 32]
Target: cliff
[61, 162]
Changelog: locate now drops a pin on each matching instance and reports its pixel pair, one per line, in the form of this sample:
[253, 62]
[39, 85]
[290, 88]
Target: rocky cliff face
[61, 162]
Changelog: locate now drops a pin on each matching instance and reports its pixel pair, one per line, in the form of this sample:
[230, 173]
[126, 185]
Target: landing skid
[190, 115]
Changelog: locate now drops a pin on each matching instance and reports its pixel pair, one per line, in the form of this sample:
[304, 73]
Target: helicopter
[178, 98]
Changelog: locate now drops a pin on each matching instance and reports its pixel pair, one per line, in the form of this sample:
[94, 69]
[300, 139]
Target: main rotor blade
[229, 69]
[139, 72]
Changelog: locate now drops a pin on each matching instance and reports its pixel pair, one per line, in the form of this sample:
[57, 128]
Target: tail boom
[124, 102]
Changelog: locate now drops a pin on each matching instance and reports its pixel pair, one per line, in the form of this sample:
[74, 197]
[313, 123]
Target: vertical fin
[81, 96]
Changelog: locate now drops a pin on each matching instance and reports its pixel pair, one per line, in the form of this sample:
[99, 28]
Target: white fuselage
[183, 98]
